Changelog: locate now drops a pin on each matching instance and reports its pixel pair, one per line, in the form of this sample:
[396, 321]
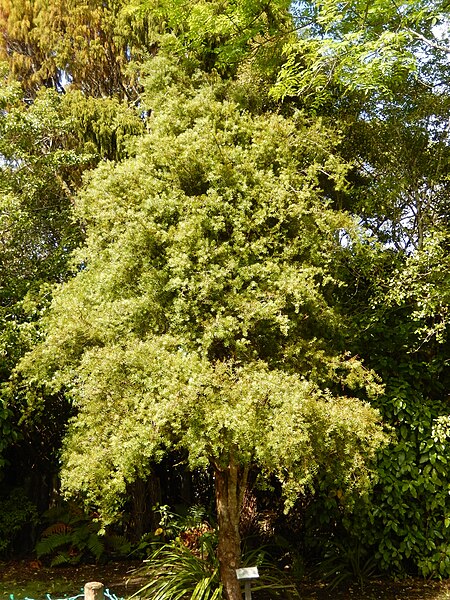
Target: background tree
[405, 339]
[380, 70]
[86, 43]
[45, 147]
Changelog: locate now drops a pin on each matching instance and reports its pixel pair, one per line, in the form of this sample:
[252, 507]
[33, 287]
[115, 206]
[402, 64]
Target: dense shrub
[17, 512]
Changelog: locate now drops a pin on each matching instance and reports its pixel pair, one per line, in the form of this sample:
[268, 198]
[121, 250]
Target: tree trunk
[230, 484]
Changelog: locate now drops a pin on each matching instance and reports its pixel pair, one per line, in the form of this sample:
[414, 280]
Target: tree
[86, 43]
[201, 317]
[381, 70]
[45, 147]
[98, 47]
[221, 35]
[405, 323]
[367, 48]
[39, 172]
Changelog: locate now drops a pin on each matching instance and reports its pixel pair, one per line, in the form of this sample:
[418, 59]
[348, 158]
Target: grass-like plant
[177, 571]
[345, 563]
[273, 583]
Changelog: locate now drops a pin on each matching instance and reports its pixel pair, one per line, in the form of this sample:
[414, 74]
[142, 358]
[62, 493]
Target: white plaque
[247, 573]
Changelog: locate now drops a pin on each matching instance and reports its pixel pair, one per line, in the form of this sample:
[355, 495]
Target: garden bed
[30, 579]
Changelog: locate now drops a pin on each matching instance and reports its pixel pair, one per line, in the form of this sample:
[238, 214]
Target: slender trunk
[420, 225]
[230, 484]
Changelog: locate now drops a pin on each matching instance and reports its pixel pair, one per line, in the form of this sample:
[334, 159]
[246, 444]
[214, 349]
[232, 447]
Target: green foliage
[412, 501]
[423, 284]
[102, 126]
[367, 50]
[380, 71]
[213, 304]
[16, 512]
[172, 525]
[189, 526]
[86, 43]
[346, 562]
[284, 447]
[39, 172]
[404, 336]
[45, 146]
[273, 582]
[98, 47]
[205, 285]
[402, 163]
[176, 570]
[219, 35]
[409, 522]
[8, 433]
[73, 537]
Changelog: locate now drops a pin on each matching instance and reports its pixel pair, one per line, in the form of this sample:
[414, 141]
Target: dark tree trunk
[230, 484]
[143, 495]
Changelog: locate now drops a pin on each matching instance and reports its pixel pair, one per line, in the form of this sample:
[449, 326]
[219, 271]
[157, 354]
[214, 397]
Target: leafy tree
[39, 172]
[45, 147]
[87, 43]
[97, 46]
[381, 71]
[399, 308]
[221, 35]
[369, 49]
[409, 321]
[402, 161]
[201, 318]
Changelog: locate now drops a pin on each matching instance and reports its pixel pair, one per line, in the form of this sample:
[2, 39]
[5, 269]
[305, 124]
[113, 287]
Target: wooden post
[248, 590]
[94, 591]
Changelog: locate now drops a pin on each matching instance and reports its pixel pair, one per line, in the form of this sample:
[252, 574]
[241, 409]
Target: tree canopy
[201, 316]
[225, 237]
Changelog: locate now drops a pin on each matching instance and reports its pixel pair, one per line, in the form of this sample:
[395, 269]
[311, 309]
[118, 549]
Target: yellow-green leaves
[85, 43]
[140, 400]
[201, 317]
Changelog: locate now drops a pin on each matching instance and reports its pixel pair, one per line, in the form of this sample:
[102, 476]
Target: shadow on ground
[30, 579]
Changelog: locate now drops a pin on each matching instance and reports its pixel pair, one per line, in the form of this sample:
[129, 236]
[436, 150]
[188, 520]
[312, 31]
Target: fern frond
[57, 528]
[118, 544]
[50, 544]
[95, 545]
[63, 558]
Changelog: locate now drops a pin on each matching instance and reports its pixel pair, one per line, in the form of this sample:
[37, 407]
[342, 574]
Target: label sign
[247, 573]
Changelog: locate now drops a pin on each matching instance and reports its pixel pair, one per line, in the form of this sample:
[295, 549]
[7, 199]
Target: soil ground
[30, 579]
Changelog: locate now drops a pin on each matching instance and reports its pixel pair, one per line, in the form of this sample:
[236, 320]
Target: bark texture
[230, 484]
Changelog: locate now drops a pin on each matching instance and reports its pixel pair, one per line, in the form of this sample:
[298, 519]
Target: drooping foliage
[86, 43]
[45, 147]
[201, 318]
[287, 202]
[98, 47]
